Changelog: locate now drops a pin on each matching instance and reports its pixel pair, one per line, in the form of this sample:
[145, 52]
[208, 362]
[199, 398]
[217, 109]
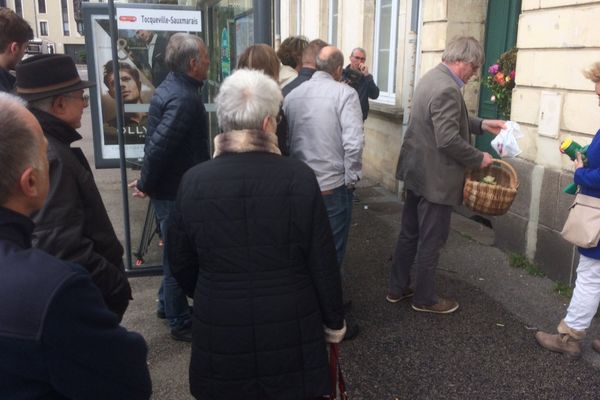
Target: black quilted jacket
[177, 136]
[252, 245]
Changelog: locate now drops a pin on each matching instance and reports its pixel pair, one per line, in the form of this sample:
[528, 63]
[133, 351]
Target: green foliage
[501, 81]
[563, 289]
[521, 262]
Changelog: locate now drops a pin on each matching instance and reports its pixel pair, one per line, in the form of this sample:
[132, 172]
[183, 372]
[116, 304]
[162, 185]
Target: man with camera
[356, 74]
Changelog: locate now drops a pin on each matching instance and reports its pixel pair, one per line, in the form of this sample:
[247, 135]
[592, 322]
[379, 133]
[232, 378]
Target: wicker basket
[491, 199]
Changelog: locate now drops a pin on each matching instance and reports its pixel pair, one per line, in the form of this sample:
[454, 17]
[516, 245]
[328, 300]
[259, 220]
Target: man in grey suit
[435, 153]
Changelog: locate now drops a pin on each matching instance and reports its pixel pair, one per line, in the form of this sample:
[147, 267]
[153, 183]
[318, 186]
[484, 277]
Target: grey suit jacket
[437, 146]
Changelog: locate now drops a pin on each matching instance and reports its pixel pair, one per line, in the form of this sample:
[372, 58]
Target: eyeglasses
[360, 58]
[84, 97]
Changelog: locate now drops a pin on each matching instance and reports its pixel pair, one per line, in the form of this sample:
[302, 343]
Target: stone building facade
[556, 40]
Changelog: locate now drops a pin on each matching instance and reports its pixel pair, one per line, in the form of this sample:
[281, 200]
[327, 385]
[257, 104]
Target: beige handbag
[582, 227]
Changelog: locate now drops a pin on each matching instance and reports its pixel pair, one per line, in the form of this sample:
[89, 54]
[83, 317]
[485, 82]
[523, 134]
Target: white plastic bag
[505, 143]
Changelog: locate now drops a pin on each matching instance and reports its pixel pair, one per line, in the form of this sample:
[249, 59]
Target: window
[43, 28]
[333, 22]
[42, 6]
[384, 56]
[18, 8]
[3, 3]
[80, 27]
[65, 17]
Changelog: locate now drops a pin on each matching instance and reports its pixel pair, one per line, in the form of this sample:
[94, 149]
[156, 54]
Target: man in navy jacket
[176, 140]
[57, 338]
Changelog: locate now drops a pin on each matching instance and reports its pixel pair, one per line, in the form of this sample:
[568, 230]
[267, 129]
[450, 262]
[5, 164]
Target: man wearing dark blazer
[435, 154]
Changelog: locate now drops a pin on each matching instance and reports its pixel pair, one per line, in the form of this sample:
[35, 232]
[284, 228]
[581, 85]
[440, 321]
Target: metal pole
[262, 22]
[120, 136]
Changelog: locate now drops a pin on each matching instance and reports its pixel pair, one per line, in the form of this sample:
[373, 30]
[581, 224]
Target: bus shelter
[125, 42]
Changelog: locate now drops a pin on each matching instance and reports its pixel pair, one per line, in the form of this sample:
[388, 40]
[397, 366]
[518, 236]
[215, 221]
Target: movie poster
[143, 35]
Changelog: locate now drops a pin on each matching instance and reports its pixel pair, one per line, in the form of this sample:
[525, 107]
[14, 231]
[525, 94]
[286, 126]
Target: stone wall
[557, 39]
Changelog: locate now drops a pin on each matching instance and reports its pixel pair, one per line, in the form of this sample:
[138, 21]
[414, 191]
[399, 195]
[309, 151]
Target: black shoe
[183, 334]
[352, 330]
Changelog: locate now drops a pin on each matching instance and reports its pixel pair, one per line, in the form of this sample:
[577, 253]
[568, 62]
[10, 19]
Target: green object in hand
[571, 148]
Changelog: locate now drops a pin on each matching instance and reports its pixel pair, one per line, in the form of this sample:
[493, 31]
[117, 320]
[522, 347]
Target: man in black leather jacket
[176, 140]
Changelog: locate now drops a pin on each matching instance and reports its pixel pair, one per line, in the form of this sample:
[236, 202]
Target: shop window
[384, 53]
[333, 22]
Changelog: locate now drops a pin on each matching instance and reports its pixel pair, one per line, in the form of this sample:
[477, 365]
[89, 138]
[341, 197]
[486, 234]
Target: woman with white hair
[252, 245]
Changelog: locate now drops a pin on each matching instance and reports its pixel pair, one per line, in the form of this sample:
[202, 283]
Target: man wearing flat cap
[73, 224]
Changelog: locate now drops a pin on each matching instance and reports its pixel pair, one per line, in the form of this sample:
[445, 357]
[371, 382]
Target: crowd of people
[256, 236]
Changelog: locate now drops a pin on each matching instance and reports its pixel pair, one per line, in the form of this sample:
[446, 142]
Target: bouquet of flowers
[501, 81]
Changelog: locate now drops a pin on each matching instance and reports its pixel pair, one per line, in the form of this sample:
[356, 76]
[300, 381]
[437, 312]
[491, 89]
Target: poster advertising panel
[143, 34]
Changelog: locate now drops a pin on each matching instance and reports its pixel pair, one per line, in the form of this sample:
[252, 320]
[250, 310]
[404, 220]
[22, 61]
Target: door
[500, 35]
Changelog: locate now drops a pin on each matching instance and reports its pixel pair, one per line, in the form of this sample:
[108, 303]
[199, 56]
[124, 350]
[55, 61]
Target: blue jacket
[7, 81]
[177, 136]
[57, 338]
[588, 179]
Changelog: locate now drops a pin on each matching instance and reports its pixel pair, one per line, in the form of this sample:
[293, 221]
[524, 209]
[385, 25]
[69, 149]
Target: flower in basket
[501, 81]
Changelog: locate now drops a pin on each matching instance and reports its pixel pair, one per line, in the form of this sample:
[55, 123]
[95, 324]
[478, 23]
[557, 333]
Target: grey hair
[359, 49]
[181, 50]
[331, 63]
[19, 148]
[245, 98]
[43, 104]
[464, 48]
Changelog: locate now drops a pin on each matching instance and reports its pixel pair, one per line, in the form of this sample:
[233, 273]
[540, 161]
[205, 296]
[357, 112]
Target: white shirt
[326, 129]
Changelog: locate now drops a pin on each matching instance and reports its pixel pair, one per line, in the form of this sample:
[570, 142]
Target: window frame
[65, 22]
[47, 28]
[299, 17]
[19, 8]
[333, 16]
[386, 96]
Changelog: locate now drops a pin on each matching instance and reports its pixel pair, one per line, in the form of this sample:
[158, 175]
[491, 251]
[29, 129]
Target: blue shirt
[588, 179]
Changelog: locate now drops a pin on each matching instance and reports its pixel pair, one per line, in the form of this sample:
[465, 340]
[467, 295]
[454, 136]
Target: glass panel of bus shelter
[137, 61]
[230, 31]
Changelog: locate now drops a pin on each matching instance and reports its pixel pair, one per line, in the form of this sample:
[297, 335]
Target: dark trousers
[424, 231]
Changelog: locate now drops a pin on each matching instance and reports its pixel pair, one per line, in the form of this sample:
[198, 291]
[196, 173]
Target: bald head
[23, 152]
[331, 60]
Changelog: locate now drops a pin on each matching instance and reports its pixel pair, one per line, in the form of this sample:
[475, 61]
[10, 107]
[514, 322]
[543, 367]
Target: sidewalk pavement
[485, 350]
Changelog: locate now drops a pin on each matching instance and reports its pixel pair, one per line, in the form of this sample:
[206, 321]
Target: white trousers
[586, 294]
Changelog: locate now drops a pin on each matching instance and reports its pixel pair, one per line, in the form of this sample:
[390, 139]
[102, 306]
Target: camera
[353, 78]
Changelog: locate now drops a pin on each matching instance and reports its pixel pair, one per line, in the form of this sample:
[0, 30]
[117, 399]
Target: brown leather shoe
[560, 343]
[443, 306]
[596, 345]
[394, 298]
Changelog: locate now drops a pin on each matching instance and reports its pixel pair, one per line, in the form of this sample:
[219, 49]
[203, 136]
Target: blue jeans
[171, 298]
[339, 211]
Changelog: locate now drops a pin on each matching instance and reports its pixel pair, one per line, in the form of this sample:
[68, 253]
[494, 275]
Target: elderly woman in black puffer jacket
[252, 245]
